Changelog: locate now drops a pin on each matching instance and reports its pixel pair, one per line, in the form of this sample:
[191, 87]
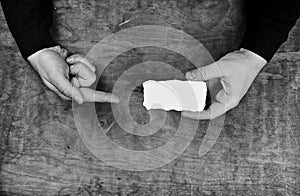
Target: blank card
[175, 95]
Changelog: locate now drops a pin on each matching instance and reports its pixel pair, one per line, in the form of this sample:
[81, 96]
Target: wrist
[58, 49]
[254, 58]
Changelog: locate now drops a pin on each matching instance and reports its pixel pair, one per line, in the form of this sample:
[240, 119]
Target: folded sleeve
[268, 24]
[29, 22]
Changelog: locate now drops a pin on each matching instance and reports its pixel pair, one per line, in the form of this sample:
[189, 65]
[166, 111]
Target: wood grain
[257, 152]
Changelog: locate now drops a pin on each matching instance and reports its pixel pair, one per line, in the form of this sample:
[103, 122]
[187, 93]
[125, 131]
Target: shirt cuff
[263, 40]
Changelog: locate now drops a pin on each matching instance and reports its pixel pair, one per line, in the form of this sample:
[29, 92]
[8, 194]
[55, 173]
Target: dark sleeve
[268, 24]
[29, 22]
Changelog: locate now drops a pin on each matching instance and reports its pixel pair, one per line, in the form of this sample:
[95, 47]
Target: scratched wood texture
[257, 153]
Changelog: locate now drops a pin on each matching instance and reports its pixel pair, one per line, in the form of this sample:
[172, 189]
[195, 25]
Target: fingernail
[69, 60]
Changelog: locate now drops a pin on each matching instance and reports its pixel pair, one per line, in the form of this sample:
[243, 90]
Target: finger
[75, 82]
[80, 59]
[204, 73]
[215, 110]
[221, 96]
[63, 52]
[85, 75]
[214, 86]
[54, 89]
[66, 88]
[91, 95]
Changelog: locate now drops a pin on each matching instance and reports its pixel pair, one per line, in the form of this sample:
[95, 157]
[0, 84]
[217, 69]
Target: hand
[228, 81]
[83, 72]
[54, 71]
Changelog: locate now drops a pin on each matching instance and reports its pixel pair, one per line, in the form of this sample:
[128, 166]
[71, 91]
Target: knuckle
[234, 103]
[202, 72]
[66, 92]
[93, 78]
[212, 115]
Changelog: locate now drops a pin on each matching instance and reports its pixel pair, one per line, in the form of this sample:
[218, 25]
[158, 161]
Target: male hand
[228, 81]
[54, 71]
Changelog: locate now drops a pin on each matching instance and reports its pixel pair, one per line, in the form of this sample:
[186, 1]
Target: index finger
[90, 95]
[67, 89]
[205, 73]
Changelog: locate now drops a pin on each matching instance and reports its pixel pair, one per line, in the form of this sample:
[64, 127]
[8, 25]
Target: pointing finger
[91, 95]
[204, 73]
[67, 89]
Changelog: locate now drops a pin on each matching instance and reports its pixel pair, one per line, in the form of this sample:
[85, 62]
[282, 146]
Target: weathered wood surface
[257, 152]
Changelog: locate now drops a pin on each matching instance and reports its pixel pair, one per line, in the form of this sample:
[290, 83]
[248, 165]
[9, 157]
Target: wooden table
[257, 152]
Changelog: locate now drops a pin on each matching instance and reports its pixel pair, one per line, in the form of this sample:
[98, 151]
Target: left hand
[228, 81]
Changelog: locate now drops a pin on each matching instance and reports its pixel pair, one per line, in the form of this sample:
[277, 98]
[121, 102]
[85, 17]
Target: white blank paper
[175, 95]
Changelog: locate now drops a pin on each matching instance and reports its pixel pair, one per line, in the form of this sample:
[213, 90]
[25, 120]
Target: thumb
[67, 89]
[221, 96]
[205, 73]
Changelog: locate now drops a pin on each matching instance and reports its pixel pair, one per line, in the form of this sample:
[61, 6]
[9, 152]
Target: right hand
[228, 80]
[54, 71]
